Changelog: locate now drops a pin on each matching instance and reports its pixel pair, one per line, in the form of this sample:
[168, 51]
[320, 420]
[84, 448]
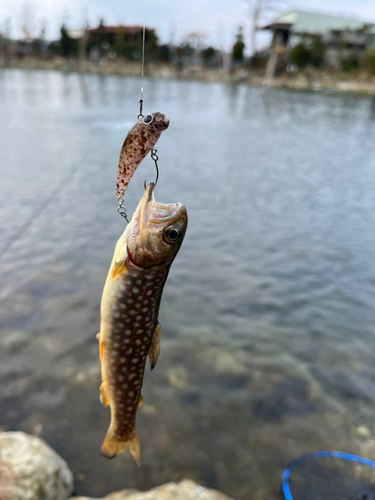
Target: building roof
[130, 30]
[302, 21]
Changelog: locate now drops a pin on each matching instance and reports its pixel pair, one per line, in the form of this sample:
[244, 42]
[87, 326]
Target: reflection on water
[268, 316]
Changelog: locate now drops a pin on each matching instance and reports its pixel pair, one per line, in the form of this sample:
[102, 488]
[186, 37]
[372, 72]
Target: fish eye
[172, 234]
[148, 119]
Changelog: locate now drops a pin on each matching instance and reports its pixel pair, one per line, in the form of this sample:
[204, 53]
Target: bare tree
[258, 11]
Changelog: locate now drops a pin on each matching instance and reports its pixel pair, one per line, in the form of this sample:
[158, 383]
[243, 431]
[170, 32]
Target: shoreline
[321, 82]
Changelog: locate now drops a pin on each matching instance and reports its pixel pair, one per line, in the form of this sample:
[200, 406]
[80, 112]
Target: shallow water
[268, 315]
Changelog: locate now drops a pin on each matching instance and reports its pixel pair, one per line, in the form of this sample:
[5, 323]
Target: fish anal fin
[155, 346]
[135, 449]
[118, 268]
[103, 395]
[140, 401]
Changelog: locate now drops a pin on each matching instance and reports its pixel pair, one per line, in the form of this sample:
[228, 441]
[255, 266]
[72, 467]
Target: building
[343, 37]
[132, 33]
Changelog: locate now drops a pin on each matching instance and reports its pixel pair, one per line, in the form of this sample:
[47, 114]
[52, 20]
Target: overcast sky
[172, 19]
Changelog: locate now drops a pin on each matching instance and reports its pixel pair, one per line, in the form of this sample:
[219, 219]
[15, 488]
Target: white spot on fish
[122, 360]
[120, 378]
[132, 375]
[130, 301]
[122, 305]
[132, 312]
[139, 332]
[116, 315]
[124, 386]
[138, 282]
[145, 309]
[149, 292]
[138, 342]
[129, 351]
[135, 360]
[126, 341]
[128, 332]
[135, 290]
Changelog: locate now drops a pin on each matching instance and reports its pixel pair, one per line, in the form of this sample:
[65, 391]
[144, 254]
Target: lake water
[268, 315]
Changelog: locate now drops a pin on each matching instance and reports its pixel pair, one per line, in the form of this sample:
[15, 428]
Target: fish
[141, 138]
[129, 327]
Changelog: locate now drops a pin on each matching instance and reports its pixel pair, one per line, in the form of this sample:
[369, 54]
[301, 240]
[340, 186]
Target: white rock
[31, 470]
[185, 490]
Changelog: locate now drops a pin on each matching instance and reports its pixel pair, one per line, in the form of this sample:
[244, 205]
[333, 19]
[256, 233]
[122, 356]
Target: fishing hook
[122, 210]
[155, 157]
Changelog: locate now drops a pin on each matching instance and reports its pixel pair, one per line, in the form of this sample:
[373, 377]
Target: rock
[31, 470]
[362, 431]
[185, 490]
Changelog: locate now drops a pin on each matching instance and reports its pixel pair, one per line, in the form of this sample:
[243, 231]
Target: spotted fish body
[129, 329]
[139, 141]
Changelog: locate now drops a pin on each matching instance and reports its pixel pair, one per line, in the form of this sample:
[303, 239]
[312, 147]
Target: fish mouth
[158, 213]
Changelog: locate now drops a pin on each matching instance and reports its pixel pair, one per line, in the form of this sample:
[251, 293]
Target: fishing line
[140, 115]
[318, 454]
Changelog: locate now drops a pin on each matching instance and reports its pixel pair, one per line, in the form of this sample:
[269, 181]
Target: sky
[217, 20]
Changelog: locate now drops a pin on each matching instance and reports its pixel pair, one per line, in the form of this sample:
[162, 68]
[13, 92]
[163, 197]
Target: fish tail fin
[112, 447]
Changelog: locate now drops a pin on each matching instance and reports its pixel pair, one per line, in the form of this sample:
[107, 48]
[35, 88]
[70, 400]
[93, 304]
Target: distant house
[345, 35]
[132, 33]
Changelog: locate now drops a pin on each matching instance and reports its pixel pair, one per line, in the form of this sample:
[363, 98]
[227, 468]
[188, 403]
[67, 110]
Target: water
[268, 315]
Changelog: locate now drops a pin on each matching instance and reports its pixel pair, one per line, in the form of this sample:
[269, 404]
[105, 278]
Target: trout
[129, 328]
[141, 138]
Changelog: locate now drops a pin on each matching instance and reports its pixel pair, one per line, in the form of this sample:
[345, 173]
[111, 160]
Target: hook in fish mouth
[159, 213]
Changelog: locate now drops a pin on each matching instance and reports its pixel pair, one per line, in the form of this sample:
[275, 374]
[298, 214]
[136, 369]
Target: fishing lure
[129, 329]
[141, 138]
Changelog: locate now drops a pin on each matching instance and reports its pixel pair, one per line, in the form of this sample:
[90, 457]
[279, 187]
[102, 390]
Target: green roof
[302, 21]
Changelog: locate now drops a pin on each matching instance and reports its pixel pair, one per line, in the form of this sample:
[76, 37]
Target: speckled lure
[139, 141]
[129, 328]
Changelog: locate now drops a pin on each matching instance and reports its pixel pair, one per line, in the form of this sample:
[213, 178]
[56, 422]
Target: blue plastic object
[318, 454]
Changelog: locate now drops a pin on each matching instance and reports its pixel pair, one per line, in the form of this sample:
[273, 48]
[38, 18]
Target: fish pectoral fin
[118, 268]
[155, 347]
[103, 395]
[140, 401]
